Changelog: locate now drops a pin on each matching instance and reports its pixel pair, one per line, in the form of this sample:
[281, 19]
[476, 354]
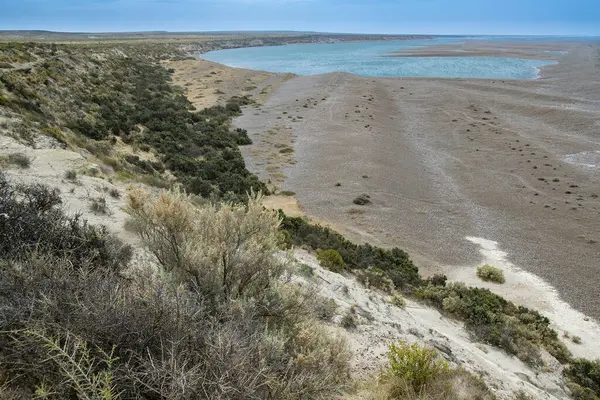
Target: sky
[526, 17]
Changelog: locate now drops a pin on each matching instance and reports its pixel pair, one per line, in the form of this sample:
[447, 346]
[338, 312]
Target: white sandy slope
[50, 162]
[382, 323]
[527, 289]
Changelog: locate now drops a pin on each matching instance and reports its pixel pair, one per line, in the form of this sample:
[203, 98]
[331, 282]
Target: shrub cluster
[74, 323]
[18, 159]
[585, 374]
[516, 329]
[33, 225]
[132, 97]
[489, 317]
[395, 263]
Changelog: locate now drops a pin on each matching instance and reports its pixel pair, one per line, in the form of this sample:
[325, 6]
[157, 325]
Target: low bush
[457, 384]
[114, 193]
[306, 270]
[397, 300]
[331, 260]
[325, 309]
[490, 274]
[349, 319]
[417, 365]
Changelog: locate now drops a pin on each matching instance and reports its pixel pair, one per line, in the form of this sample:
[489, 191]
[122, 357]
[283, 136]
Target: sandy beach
[509, 162]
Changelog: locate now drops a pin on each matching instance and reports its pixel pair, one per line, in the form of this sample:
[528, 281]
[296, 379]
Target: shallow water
[586, 159]
[370, 59]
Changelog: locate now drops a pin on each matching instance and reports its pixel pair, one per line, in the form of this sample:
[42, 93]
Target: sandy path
[447, 159]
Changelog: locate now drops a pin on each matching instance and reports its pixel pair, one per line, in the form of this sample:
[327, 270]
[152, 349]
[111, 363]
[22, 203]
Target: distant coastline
[437, 58]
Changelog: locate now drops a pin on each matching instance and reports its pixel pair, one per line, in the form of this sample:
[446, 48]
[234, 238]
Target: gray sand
[448, 158]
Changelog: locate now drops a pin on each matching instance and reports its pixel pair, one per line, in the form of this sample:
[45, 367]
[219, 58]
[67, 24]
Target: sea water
[373, 59]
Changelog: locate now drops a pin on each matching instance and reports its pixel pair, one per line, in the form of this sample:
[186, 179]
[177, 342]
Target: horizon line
[274, 31]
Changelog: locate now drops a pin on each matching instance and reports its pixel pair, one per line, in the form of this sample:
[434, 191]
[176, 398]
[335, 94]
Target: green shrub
[585, 373]
[306, 270]
[54, 132]
[395, 262]
[397, 300]
[490, 274]
[516, 329]
[285, 240]
[331, 260]
[417, 365]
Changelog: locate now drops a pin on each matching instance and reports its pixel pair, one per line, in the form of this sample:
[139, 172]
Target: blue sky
[559, 17]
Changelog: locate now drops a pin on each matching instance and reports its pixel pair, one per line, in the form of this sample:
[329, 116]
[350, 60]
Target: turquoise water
[370, 59]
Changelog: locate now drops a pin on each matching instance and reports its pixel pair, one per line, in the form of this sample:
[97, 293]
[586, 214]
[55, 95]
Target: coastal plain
[510, 162]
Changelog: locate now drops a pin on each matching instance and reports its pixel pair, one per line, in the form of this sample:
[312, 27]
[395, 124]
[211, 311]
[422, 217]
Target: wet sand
[447, 159]
[482, 48]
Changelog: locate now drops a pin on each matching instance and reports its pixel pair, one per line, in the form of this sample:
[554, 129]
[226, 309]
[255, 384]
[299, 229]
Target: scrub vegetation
[215, 321]
[101, 97]
[218, 316]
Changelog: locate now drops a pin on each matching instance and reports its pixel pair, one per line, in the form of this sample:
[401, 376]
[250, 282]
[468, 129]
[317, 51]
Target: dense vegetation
[489, 317]
[100, 97]
[586, 375]
[75, 323]
[395, 262]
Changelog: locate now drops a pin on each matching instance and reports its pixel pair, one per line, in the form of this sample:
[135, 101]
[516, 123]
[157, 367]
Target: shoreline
[319, 158]
[476, 49]
[439, 185]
